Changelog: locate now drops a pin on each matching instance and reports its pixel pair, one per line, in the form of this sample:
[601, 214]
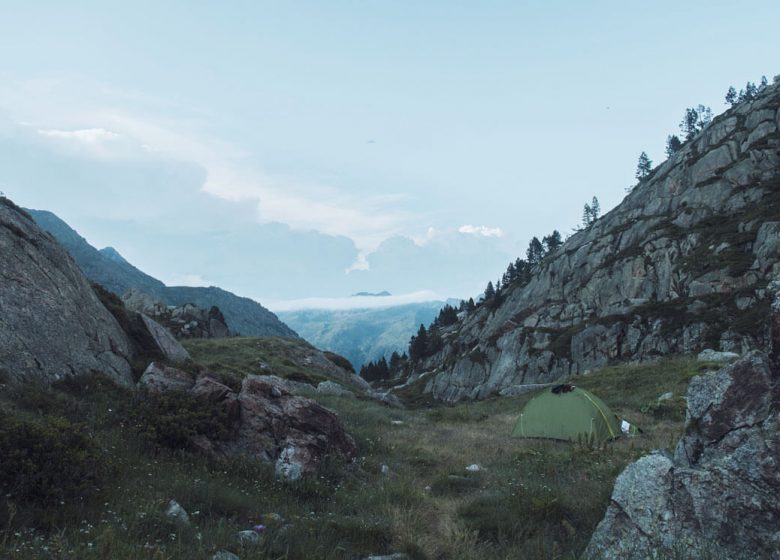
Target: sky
[295, 151]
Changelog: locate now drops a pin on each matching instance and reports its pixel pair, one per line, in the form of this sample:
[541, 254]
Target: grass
[268, 355]
[531, 498]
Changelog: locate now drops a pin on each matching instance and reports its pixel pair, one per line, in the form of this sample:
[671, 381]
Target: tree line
[694, 120]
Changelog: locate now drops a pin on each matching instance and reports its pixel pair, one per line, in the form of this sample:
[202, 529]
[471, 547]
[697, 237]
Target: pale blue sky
[177, 131]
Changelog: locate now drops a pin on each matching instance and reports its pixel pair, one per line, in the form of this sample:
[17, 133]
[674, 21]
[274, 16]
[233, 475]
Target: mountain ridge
[108, 268]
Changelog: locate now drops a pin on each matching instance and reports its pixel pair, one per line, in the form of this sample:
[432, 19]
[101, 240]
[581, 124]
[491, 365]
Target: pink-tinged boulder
[266, 421]
[159, 378]
[294, 432]
[210, 389]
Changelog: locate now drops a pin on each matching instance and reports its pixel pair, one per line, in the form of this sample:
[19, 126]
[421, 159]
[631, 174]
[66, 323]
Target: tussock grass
[533, 499]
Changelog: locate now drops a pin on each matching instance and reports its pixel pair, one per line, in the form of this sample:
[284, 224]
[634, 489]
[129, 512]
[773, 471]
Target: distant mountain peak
[383, 293]
[113, 254]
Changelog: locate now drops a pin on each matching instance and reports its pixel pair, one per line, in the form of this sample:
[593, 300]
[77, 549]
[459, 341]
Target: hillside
[292, 359]
[362, 335]
[108, 268]
[680, 265]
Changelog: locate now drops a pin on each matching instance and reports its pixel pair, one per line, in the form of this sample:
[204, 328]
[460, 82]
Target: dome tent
[567, 412]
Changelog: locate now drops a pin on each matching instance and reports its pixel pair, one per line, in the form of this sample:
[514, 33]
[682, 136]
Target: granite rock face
[721, 489]
[52, 324]
[682, 264]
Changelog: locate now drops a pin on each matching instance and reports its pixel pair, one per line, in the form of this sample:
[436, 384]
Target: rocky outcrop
[268, 423]
[720, 492]
[165, 341]
[682, 264]
[52, 324]
[185, 321]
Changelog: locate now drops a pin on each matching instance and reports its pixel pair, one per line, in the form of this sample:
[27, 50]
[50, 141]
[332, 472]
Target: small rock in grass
[224, 555]
[385, 470]
[270, 518]
[248, 537]
[177, 513]
[666, 396]
[710, 355]
[395, 556]
[474, 468]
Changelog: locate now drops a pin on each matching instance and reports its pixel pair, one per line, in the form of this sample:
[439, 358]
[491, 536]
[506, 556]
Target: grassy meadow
[103, 494]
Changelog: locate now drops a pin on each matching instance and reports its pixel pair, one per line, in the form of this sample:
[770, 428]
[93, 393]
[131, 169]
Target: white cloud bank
[353, 302]
[86, 135]
[484, 231]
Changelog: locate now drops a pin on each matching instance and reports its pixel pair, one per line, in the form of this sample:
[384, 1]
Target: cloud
[191, 280]
[109, 123]
[355, 302]
[484, 231]
[86, 135]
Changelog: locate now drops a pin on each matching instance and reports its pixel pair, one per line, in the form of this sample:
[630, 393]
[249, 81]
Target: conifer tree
[643, 167]
[552, 242]
[490, 291]
[586, 215]
[673, 145]
[535, 251]
[595, 208]
[419, 344]
[731, 96]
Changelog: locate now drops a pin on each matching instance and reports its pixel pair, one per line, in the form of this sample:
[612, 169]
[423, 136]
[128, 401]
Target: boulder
[331, 388]
[159, 378]
[266, 421]
[720, 492]
[710, 355]
[166, 342]
[248, 537]
[177, 513]
[294, 432]
[52, 324]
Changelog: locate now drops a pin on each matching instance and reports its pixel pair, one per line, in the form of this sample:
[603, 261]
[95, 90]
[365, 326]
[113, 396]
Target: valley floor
[530, 499]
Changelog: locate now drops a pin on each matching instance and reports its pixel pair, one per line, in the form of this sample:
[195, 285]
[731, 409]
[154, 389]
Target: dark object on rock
[721, 490]
[563, 388]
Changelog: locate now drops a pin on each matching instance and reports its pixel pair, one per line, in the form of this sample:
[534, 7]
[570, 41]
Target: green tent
[569, 413]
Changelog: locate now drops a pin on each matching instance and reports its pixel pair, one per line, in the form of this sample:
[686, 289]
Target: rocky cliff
[681, 264]
[109, 269]
[52, 324]
[719, 495]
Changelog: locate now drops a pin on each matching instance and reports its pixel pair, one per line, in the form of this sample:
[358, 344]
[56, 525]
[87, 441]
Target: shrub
[46, 461]
[170, 420]
[455, 485]
[340, 361]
